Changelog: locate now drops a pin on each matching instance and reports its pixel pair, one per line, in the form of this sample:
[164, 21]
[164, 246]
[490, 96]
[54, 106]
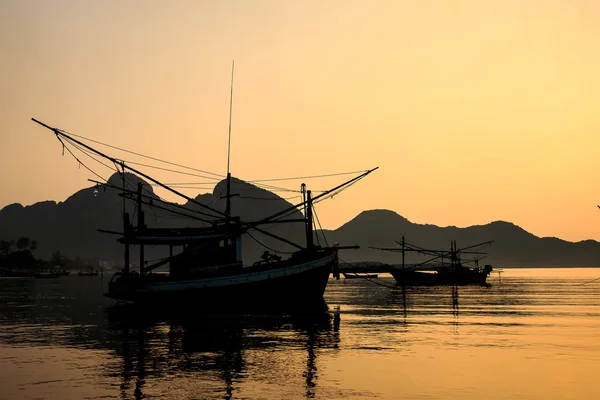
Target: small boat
[353, 275]
[454, 273]
[9, 273]
[91, 272]
[442, 276]
[46, 275]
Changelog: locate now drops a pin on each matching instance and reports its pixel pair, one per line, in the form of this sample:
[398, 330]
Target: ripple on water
[532, 335]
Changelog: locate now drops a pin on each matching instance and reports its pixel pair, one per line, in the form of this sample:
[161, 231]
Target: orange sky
[474, 110]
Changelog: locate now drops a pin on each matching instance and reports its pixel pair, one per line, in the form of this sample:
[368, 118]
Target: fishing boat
[9, 273]
[209, 271]
[91, 272]
[46, 275]
[352, 275]
[444, 274]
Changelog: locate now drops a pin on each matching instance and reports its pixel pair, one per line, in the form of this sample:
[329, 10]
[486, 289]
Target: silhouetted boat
[91, 272]
[454, 273]
[209, 272]
[442, 276]
[46, 275]
[9, 273]
[352, 275]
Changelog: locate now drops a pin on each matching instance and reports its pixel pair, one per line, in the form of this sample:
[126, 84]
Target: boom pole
[228, 194]
[58, 133]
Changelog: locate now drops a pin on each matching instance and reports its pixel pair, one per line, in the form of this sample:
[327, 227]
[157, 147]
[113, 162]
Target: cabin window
[222, 243]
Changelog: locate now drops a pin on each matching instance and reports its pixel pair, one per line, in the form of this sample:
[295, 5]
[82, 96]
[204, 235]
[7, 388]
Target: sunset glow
[475, 111]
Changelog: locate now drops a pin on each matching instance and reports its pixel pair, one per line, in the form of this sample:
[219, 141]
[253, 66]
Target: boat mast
[309, 222]
[140, 226]
[228, 195]
[402, 252]
[126, 224]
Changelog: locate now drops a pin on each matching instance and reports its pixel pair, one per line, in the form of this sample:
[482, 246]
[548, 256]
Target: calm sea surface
[534, 334]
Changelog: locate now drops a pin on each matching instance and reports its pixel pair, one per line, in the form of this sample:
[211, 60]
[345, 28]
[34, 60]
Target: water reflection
[455, 300]
[154, 346]
[62, 339]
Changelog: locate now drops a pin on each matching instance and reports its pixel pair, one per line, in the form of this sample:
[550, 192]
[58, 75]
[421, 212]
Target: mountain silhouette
[72, 227]
[513, 246]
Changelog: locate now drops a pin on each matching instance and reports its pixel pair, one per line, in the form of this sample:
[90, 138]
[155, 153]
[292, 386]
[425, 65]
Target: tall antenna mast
[230, 112]
[228, 195]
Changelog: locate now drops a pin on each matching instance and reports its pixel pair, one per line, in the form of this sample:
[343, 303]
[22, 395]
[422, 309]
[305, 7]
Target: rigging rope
[169, 170]
[306, 177]
[267, 198]
[320, 228]
[89, 154]
[256, 183]
[79, 161]
[141, 155]
[267, 247]
[214, 177]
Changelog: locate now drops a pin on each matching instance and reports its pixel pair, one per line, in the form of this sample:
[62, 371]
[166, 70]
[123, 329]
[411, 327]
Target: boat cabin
[193, 250]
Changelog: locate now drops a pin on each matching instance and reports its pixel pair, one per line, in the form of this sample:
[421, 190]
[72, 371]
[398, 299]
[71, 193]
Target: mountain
[512, 247]
[72, 227]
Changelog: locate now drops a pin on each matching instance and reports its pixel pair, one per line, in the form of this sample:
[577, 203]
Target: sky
[474, 110]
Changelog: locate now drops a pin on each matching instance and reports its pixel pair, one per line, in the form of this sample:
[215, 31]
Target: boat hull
[46, 275]
[352, 275]
[290, 287]
[446, 278]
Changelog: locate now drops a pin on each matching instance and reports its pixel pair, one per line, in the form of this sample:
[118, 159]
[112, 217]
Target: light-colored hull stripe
[250, 277]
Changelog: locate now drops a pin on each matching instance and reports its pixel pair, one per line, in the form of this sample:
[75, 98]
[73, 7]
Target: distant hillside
[72, 227]
[512, 247]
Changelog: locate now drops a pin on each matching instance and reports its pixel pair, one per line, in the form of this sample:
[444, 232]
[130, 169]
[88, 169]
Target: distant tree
[23, 243]
[57, 258]
[33, 245]
[5, 247]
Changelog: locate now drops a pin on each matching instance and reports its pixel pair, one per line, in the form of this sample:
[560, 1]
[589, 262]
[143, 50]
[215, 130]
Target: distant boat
[46, 275]
[442, 276]
[9, 273]
[60, 272]
[91, 272]
[454, 273]
[352, 275]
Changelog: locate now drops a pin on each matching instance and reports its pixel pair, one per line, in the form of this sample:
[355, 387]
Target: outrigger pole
[228, 194]
[58, 133]
[437, 254]
[267, 220]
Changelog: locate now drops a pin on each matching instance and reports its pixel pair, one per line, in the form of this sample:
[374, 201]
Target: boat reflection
[423, 300]
[206, 349]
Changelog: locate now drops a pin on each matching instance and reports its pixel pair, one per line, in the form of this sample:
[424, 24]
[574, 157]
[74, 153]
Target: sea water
[529, 334]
